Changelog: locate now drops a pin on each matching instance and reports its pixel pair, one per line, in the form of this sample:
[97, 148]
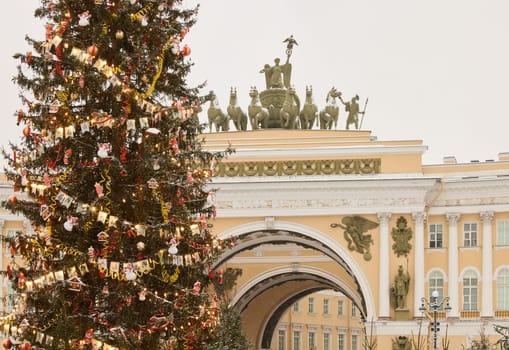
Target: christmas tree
[115, 173]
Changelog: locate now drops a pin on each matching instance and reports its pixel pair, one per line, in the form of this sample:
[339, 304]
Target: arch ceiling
[265, 296]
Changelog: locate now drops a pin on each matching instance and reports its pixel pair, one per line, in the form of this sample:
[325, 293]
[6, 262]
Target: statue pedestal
[402, 314]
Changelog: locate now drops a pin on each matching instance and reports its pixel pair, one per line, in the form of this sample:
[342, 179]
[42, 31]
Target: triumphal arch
[314, 202]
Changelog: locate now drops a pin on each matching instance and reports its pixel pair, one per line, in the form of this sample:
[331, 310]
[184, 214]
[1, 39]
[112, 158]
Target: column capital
[452, 218]
[487, 216]
[384, 217]
[419, 217]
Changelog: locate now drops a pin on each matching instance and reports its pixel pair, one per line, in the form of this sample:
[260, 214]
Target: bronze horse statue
[330, 114]
[235, 113]
[216, 116]
[290, 110]
[309, 112]
[258, 115]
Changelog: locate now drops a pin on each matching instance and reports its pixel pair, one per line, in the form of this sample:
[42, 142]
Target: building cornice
[304, 198]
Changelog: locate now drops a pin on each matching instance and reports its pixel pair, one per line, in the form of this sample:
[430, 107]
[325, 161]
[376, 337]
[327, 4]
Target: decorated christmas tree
[114, 176]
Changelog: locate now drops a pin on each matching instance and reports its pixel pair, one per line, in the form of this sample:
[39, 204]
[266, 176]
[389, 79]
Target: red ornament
[21, 280]
[186, 50]
[183, 32]
[92, 50]
[25, 346]
[7, 343]
[27, 131]
[13, 199]
[29, 57]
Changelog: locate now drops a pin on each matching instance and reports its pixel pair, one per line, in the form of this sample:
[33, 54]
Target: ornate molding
[419, 217]
[487, 216]
[299, 167]
[384, 218]
[452, 218]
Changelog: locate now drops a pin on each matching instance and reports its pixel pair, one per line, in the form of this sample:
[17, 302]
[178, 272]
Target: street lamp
[433, 306]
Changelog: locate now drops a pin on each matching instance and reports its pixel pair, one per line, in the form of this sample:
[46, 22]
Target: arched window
[470, 291]
[436, 282]
[503, 289]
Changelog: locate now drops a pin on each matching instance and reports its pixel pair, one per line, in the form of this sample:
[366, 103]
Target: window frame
[341, 308]
[296, 339]
[470, 283]
[435, 238]
[326, 306]
[470, 242]
[281, 339]
[311, 305]
[502, 288]
[341, 341]
[502, 234]
[434, 277]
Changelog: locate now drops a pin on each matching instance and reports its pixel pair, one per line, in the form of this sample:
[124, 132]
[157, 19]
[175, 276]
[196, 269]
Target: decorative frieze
[299, 167]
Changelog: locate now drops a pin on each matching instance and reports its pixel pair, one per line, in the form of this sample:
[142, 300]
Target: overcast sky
[435, 70]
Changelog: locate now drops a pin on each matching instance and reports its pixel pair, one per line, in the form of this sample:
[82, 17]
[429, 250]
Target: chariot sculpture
[279, 106]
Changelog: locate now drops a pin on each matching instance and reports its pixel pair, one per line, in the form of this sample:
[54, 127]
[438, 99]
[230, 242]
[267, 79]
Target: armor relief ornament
[401, 235]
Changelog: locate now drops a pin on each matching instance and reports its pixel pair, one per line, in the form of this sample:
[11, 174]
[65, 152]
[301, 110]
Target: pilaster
[383, 285]
[452, 219]
[487, 264]
[419, 220]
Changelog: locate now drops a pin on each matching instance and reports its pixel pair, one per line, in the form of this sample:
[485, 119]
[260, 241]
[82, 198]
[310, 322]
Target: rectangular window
[296, 307]
[470, 292]
[503, 290]
[355, 342]
[436, 235]
[503, 232]
[326, 341]
[311, 340]
[311, 305]
[340, 308]
[354, 310]
[341, 342]
[281, 340]
[296, 340]
[470, 234]
[326, 307]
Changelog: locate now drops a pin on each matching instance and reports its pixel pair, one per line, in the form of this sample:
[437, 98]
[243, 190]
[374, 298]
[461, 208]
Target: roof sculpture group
[279, 106]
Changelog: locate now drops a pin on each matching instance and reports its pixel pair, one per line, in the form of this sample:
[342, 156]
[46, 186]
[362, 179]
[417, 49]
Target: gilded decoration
[401, 343]
[401, 235]
[278, 105]
[399, 289]
[356, 235]
[299, 167]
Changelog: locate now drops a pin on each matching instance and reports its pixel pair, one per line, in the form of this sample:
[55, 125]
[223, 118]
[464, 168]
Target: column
[487, 265]
[419, 219]
[452, 219]
[384, 296]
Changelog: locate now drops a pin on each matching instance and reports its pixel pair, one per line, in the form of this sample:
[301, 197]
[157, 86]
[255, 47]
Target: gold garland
[122, 276]
[59, 181]
[159, 70]
[52, 321]
[170, 278]
[164, 212]
[138, 15]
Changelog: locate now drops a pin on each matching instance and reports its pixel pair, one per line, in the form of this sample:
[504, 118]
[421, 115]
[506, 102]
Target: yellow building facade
[319, 211]
[316, 217]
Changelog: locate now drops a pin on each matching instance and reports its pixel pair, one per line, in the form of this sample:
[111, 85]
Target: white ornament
[84, 19]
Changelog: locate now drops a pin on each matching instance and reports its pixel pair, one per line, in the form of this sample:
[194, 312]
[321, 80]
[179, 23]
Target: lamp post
[432, 307]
